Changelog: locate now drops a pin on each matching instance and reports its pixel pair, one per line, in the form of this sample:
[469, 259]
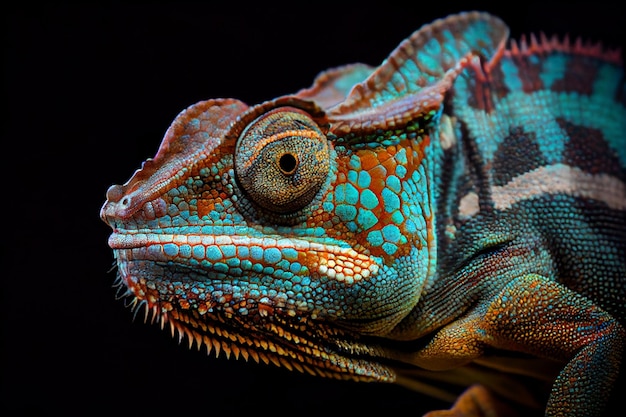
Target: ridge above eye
[282, 159]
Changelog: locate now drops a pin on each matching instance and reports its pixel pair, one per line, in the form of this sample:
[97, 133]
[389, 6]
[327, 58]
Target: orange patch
[369, 159]
[205, 207]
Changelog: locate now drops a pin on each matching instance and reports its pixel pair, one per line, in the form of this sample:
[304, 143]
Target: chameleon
[452, 221]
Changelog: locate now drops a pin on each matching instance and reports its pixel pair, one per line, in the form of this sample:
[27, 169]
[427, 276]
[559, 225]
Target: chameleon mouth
[271, 335]
[233, 295]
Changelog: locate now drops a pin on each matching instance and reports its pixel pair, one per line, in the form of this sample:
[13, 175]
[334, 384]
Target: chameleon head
[298, 231]
[254, 231]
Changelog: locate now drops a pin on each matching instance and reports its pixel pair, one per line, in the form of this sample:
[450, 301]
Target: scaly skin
[458, 210]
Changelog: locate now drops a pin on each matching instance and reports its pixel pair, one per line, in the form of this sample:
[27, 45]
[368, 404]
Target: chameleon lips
[226, 255]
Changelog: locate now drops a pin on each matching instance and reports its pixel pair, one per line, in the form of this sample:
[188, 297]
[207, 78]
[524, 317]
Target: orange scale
[384, 155]
[205, 207]
[376, 186]
[310, 259]
[369, 159]
[318, 220]
[390, 165]
[379, 171]
[414, 158]
[403, 250]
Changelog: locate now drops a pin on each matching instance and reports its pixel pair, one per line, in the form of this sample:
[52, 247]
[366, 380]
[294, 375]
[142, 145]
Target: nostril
[123, 201]
[115, 193]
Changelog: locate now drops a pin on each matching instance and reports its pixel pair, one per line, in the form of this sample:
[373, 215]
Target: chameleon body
[453, 217]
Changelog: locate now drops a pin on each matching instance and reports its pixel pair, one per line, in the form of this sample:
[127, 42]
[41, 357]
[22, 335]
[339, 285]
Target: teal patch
[450, 41]
[369, 200]
[295, 267]
[401, 157]
[553, 69]
[607, 83]
[429, 63]
[290, 254]
[318, 231]
[511, 75]
[233, 262]
[340, 193]
[375, 238]
[416, 176]
[256, 253]
[431, 47]
[346, 212]
[272, 255]
[198, 252]
[391, 233]
[366, 219]
[243, 252]
[389, 248]
[213, 253]
[410, 226]
[229, 251]
[185, 250]
[410, 70]
[352, 194]
[355, 163]
[397, 217]
[406, 210]
[352, 226]
[283, 264]
[394, 184]
[364, 179]
[170, 249]
[390, 200]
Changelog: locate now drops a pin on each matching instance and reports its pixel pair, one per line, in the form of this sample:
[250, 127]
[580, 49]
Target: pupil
[287, 163]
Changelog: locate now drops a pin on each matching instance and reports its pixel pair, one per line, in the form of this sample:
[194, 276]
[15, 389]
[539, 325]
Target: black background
[89, 91]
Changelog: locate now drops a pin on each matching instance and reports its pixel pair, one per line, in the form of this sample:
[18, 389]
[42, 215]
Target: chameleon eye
[282, 160]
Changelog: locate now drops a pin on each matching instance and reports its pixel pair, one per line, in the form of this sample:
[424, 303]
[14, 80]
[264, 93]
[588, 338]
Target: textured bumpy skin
[453, 218]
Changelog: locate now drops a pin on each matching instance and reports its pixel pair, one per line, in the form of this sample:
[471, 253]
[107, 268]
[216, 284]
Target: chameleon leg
[535, 315]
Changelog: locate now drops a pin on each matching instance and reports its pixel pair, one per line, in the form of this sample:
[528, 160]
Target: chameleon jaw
[267, 334]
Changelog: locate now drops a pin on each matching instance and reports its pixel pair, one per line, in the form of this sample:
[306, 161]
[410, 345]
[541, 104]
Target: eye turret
[282, 160]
